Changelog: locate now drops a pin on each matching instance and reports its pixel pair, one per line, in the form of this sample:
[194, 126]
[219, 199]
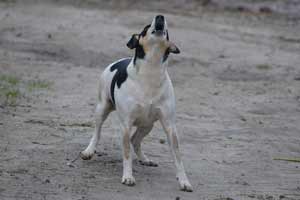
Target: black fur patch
[166, 55]
[143, 33]
[167, 35]
[139, 51]
[119, 77]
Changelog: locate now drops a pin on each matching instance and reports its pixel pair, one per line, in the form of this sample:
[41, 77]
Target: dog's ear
[173, 48]
[133, 42]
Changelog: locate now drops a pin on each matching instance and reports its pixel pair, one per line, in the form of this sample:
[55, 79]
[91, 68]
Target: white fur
[145, 97]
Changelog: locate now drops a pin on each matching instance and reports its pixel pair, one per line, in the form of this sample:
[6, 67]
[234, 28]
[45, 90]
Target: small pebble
[162, 141]
[265, 10]
[70, 164]
[47, 181]
[297, 78]
[268, 197]
[243, 119]
[245, 183]
[281, 196]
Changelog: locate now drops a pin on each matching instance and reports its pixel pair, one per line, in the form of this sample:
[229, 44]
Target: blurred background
[237, 85]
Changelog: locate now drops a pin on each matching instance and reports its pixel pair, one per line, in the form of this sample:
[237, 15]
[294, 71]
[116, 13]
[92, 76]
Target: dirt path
[238, 97]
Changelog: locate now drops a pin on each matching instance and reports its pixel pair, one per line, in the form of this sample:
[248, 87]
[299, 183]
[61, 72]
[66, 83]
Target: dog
[139, 89]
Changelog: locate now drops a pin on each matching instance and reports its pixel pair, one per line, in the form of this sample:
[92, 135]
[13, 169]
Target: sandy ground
[237, 84]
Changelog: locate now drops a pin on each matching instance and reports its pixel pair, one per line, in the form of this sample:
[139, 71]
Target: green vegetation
[38, 84]
[288, 159]
[9, 79]
[13, 88]
[263, 66]
[9, 90]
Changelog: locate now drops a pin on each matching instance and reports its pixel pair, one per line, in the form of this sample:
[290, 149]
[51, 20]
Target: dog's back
[113, 76]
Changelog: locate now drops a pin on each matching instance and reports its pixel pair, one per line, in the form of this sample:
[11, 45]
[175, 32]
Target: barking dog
[141, 92]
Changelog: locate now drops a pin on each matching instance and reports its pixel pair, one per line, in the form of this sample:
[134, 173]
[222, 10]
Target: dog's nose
[160, 17]
[159, 22]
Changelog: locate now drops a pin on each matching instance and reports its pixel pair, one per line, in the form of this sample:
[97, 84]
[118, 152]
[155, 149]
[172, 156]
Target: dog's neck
[155, 55]
[153, 63]
[150, 71]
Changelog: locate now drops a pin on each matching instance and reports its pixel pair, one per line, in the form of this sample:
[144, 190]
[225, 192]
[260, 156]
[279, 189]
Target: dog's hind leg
[136, 141]
[102, 110]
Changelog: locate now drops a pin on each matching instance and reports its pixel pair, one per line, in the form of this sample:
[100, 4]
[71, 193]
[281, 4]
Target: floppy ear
[133, 42]
[173, 48]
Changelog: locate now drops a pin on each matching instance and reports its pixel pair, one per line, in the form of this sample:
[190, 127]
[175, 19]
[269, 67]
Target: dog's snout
[159, 22]
[160, 17]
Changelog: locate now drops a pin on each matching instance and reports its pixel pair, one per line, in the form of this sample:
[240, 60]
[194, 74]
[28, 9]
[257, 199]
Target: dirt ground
[237, 85]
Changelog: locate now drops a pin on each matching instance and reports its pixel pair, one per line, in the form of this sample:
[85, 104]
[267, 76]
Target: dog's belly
[146, 114]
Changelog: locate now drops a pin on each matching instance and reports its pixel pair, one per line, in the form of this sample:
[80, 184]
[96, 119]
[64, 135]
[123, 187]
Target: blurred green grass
[13, 88]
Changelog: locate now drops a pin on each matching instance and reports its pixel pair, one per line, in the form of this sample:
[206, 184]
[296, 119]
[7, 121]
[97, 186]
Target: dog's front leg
[171, 132]
[127, 178]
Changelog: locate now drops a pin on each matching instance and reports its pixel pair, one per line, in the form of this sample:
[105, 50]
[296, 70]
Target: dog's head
[154, 37]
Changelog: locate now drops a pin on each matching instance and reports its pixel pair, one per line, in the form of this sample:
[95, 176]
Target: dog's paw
[130, 181]
[186, 186]
[149, 163]
[86, 155]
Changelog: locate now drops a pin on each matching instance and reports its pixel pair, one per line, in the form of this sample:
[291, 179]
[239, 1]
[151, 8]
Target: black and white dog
[141, 92]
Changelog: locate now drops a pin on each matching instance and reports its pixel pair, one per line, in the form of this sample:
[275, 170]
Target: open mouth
[159, 25]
